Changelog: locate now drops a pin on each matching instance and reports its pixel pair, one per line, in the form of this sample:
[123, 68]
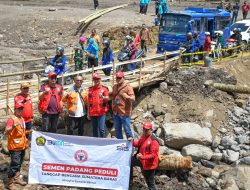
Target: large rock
[197, 152]
[230, 156]
[178, 135]
[240, 174]
[228, 141]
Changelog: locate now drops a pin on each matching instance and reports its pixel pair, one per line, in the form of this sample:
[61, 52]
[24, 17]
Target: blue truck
[175, 25]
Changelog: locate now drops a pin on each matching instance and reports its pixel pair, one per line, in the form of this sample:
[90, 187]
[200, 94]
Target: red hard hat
[119, 74]
[96, 76]
[52, 74]
[147, 125]
[19, 105]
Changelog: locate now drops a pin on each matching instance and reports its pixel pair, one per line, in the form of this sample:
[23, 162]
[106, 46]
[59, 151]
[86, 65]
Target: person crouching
[17, 143]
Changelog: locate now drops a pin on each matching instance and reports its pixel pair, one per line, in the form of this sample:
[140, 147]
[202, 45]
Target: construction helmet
[128, 38]
[60, 49]
[106, 42]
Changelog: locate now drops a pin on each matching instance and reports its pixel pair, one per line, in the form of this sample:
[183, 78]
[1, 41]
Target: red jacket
[97, 106]
[44, 101]
[207, 44]
[149, 148]
[28, 109]
[245, 8]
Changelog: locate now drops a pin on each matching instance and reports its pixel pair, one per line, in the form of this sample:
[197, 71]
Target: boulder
[245, 160]
[228, 141]
[205, 172]
[240, 174]
[178, 135]
[230, 156]
[163, 87]
[217, 157]
[197, 152]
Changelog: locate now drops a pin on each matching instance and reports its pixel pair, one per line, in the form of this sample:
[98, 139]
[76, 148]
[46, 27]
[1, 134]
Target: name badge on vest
[117, 101]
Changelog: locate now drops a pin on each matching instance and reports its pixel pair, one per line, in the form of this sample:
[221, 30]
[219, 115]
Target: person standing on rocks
[245, 9]
[98, 97]
[17, 143]
[76, 99]
[146, 156]
[25, 98]
[50, 103]
[122, 98]
[96, 4]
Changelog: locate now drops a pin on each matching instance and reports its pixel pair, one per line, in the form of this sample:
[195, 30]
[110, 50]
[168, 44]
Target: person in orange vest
[98, 97]
[122, 98]
[17, 143]
[25, 98]
[147, 155]
[50, 103]
[76, 99]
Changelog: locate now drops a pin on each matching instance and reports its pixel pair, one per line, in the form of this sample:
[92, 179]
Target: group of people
[234, 9]
[82, 104]
[133, 42]
[214, 44]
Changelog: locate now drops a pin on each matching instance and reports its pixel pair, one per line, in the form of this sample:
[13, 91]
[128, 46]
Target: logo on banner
[81, 156]
[122, 147]
[40, 141]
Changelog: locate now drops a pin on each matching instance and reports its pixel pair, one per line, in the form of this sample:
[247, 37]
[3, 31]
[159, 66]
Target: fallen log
[174, 162]
[229, 87]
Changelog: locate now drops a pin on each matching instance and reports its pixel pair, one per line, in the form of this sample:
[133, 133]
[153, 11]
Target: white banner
[79, 161]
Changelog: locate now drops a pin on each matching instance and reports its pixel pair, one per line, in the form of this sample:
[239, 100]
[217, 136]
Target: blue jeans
[122, 121]
[98, 124]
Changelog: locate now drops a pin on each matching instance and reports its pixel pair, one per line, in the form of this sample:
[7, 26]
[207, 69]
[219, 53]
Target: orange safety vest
[17, 137]
[44, 102]
[97, 107]
[72, 101]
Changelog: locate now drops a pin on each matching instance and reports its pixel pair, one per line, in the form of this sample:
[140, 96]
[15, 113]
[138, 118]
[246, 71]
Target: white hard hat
[207, 33]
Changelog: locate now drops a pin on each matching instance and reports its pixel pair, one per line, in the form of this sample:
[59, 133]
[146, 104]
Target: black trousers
[76, 123]
[149, 175]
[50, 122]
[245, 15]
[16, 158]
[144, 45]
[96, 4]
[107, 72]
[28, 126]
[92, 61]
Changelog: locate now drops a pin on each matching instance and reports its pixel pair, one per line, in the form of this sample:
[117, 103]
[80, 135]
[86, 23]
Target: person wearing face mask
[98, 97]
[76, 99]
[107, 56]
[122, 98]
[50, 103]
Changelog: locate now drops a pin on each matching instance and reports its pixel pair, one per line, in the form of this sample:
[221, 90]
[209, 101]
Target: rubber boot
[18, 180]
[11, 185]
